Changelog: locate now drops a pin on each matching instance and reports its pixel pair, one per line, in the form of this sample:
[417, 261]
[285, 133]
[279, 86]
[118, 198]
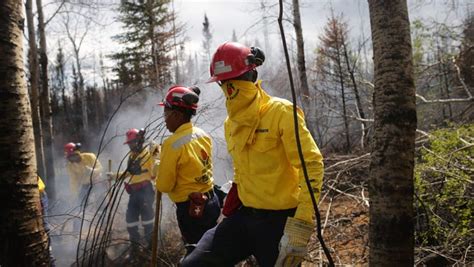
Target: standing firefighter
[185, 171]
[269, 211]
[82, 168]
[138, 184]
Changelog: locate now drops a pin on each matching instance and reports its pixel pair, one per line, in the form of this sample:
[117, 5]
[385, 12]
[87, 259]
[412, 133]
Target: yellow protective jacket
[268, 171]
[41, 185]
[80, 172]
[146, 159]
[185, 163]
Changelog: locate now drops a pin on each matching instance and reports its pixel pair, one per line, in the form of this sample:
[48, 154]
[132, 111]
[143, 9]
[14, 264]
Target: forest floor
[345, 228]
[344, 219]
[344, 209]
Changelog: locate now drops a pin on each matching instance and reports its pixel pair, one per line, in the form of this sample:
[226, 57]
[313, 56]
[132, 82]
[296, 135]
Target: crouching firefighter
[138, 184]
[185, 170]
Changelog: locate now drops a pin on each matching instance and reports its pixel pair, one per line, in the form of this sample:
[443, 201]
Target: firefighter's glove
[134, 168]
[293, 242]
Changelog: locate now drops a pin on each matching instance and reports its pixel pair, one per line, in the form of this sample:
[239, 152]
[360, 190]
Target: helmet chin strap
[254, 74]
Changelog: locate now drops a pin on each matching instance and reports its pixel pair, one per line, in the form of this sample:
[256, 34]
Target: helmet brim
[212, 79]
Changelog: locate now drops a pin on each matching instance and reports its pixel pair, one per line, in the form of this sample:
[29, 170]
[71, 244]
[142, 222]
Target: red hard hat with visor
[71, 148]
[232, 60]
[181, 97]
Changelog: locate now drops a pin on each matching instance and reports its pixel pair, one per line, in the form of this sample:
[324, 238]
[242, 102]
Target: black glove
[134, 167]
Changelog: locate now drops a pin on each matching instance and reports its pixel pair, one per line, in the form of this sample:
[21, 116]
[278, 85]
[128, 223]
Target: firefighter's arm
[166, 179]
[313, 161]
[153, 162]
[151, 166]
[155, 150]
[92, 167]
[298, 229]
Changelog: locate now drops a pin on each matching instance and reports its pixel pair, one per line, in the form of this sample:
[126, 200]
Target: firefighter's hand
[155, 150]
[110, 176]
[293, 242]
[134, 168]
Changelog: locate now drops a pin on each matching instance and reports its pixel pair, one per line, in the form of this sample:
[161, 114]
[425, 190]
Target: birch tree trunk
[391, 232]
[34, 83]
[23, 241]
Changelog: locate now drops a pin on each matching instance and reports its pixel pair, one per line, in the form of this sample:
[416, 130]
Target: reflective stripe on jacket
[185, 163]
[268, 172]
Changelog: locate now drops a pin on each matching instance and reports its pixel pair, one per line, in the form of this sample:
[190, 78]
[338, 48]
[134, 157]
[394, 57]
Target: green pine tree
[147, 40]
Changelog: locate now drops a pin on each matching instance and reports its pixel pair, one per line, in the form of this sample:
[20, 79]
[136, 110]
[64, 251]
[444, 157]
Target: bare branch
[451, 100]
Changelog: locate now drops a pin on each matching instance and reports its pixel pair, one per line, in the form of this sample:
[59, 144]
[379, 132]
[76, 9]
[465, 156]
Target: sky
[243, 16]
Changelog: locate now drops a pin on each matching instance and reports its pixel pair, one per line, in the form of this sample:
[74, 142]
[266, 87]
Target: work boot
[133, 254]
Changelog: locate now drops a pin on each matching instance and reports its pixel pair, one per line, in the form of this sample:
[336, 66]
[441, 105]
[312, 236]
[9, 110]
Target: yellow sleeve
[166, 179]
[155, 160]
[155, 150]
[90, 160]
[149, 165]
[313, 160]
[41, 186]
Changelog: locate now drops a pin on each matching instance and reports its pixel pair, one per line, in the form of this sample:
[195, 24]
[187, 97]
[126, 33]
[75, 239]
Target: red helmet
[182, 97]
[132, 135]
[70, 148]
[233, 59]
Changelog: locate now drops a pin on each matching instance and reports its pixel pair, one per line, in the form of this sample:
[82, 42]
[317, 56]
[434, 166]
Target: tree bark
[34, 83]
[343, 89]
[82, 93]
[360, 110]
[23, 240]
[301, 66]
[47, 122]
[391, 233]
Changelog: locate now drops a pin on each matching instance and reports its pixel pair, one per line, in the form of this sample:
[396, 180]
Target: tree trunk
[82, 93]
[301, 66]
[47, 122]
[343, 93]
[360, 110]
[391, 233]
[23, 240]
[34, 82]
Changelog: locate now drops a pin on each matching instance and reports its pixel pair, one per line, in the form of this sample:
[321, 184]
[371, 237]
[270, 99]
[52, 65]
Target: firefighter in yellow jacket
[185, 170]
[139, 174]
[269, 211]
[82, 168]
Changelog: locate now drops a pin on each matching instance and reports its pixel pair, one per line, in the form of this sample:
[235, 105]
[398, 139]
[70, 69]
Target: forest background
[97, 68]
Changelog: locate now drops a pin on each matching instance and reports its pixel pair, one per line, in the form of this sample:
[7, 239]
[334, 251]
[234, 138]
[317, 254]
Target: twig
[347, 161]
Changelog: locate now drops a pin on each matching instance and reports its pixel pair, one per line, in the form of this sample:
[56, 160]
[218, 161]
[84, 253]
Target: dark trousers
[247, 232]
[140, 205]
[192, 228]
